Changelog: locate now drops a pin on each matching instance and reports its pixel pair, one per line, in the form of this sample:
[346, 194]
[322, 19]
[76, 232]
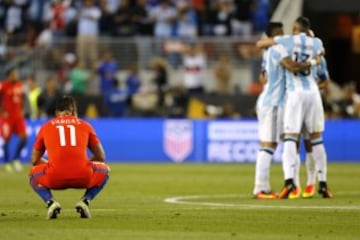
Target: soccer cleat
[8, 168]
[296, 193]
[309, 191]
[17, 165]
[54, 209]
[287, 189]
[266, 195]
[325, 193]
[83, 209]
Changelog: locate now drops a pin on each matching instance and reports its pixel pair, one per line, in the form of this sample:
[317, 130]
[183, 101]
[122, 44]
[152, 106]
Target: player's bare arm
[293, 66]
[266, 42]
[262, 78]
[36, 157]
[98, 153]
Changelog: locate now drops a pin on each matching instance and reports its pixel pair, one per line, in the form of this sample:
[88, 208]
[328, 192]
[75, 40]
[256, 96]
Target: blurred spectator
[347, 106]
[144, 98]
[63, 73]
[71, 19]
[46, 101]
[132, 81]
[116, 100]
[13, 18]
[176, 102]
[260, 15]
[107, 70]
[108, 8]
[242, 23]
[160, 78]
[186, 21]
[87, 33]
[39, 13]
[122, 20]
[223, 18]
[33, 92]
[141, 19]
[58, 19]
[194, 63]
[45, 39]
[222, 75]
[79, 78]
[163, 17]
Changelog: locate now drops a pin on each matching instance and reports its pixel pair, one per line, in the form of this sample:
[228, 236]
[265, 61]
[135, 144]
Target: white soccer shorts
[304, 109]
[270, 120]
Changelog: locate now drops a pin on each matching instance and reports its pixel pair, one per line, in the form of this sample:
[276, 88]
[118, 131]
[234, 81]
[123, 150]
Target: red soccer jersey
[66, 139]
[12, 98]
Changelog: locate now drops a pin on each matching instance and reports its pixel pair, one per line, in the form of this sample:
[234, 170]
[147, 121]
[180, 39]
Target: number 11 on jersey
[62, 137]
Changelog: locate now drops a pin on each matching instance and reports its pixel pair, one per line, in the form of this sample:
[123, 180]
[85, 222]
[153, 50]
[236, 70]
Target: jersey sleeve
[322, 71]
[285, 41]
[39, 141]
[278, 53]
[93, 138]
[318, 47]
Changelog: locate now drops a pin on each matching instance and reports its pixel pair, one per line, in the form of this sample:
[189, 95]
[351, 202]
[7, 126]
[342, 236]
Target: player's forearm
[299, 66]
[39, 161]
[98, 153]
[36, 157]
[265, 43]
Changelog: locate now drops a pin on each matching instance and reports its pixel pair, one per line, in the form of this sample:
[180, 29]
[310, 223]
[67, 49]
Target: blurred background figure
[46, 101]
[187, 21]
[116, 100]
[223, 17]
[87, 33]
[160, 78]
[194, 64]
[107, 69]
[122, 24]
[12, 119]
[163, 17]
[33, 92]
[133, 84]
[79, 79]
[222, 75]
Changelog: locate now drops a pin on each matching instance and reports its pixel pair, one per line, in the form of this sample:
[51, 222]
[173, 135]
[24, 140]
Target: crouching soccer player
[66, 139]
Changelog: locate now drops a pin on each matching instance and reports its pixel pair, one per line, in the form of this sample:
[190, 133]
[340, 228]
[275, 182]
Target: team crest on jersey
[178, 139]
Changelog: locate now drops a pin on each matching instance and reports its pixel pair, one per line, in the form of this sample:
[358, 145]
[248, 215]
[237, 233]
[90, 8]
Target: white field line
[186, 200]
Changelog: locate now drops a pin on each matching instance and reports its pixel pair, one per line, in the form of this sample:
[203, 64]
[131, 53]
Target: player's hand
[315, 60]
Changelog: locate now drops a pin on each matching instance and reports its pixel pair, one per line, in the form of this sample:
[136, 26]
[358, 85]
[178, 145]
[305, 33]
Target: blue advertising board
[170, 140]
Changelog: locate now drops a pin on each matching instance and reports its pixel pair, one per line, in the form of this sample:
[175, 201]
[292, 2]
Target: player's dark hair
[65, 103]
[271, 27]
[304, 23]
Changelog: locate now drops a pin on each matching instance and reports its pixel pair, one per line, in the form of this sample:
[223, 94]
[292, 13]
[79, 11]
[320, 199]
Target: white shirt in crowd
[194, 67]
[89, 21]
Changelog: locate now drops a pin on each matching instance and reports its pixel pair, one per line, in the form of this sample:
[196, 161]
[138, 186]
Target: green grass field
[215, 202]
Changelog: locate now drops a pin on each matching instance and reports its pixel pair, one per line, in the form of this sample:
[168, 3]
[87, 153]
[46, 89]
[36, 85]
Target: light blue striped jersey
[301, 48]
[274, 89]
[322, 72]
[263, 63]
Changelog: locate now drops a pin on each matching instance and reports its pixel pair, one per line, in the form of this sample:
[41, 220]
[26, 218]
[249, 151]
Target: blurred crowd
[160, 18]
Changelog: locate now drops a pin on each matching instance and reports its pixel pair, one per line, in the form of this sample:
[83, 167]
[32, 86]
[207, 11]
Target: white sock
[319, 155]
[262, 172]
[310, 169]
[297, 171]
[289, 159]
